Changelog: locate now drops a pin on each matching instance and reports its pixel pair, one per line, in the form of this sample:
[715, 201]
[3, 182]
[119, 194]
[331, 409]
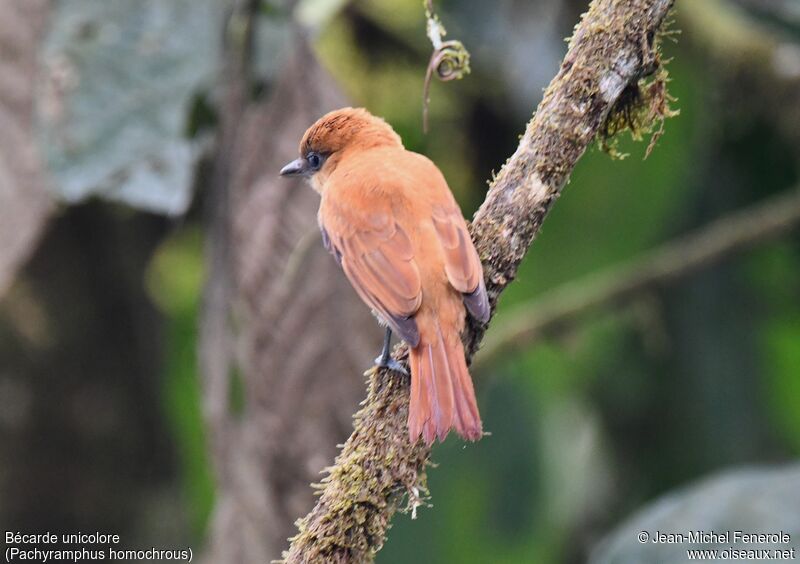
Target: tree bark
[25, 204]
[612, 49]
[276, 303]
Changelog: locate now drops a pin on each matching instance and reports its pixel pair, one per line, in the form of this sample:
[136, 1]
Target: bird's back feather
[389, 217]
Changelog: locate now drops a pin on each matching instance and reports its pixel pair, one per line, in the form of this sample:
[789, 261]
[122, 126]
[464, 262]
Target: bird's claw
[391, 364]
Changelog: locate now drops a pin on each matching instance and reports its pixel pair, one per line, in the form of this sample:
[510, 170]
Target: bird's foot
[391, 364]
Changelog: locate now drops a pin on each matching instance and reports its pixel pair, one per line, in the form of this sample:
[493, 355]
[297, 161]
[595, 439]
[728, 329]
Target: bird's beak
[295, 168]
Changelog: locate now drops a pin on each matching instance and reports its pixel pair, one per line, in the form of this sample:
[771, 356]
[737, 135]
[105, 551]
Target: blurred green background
[102, 425]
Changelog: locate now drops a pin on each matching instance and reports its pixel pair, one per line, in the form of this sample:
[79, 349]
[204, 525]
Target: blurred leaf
[775, 275]
[316, 13]
[119, 79]
[763, 500]
[404, 17]
[174, 279]
[774, 272]
[175, 274]
[783, 350]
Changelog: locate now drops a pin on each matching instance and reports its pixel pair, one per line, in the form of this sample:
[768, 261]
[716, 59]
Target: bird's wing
[376, 255]
[461, 261]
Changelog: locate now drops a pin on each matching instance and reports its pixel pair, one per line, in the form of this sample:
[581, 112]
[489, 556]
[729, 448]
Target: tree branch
[724, 237]
[612, 48]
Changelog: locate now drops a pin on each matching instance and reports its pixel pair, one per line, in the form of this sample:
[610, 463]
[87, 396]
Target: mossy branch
[612, 48]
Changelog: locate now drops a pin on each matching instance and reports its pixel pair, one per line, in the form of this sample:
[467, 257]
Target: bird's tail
[442, 396]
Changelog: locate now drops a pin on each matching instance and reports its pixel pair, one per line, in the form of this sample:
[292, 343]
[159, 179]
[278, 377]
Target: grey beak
[294, 168]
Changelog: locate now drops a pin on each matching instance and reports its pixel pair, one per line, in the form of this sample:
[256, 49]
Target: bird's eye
[314, 160]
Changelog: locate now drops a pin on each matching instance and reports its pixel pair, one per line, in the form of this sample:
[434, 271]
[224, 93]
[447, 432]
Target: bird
[390, 220]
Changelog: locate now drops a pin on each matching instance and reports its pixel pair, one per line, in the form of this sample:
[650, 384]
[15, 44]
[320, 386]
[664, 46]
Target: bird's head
[333, 136]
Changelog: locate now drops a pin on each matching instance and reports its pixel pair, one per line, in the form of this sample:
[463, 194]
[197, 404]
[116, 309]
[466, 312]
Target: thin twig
[449, 59]
[721, 239]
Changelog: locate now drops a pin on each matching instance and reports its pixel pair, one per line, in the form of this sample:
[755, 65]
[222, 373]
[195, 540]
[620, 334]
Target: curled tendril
[449, 60]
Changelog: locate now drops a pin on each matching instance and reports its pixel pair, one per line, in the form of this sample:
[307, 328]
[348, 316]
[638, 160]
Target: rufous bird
[389, 218]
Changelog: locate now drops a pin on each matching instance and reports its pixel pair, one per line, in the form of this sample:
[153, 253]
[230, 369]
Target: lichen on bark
[644, 104]
[378, 471]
